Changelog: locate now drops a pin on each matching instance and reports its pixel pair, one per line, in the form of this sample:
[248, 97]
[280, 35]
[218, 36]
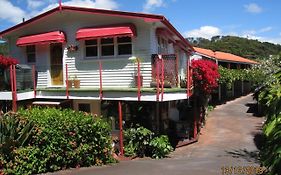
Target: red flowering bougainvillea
[205, 75]
[5, 61]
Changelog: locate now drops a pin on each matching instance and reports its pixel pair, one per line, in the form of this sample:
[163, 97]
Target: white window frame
[125, 43]
[163, 45]
[27, 53]
[85, 46]
[99, 49]
[108, 44]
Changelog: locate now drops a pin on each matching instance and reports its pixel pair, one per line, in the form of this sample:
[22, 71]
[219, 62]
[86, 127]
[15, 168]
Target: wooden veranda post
[177, 70]
[34, 80]
[139, 80]
[195, 119]
[100, 72]
[66, 81]
[157, 112]
[157, 78]
[120, 128]
[13, 87]
[219, 92]
[187, 76]
[12, 84]
[162, 78]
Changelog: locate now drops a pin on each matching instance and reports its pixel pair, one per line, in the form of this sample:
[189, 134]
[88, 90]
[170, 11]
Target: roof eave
[102, 11]
[82, 9]
[232, 61]
[174, 30]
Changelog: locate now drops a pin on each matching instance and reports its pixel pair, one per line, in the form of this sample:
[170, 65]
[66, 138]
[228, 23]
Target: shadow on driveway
[249, 156]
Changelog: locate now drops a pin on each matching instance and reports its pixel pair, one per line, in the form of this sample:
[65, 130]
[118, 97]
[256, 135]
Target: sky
[254, 19]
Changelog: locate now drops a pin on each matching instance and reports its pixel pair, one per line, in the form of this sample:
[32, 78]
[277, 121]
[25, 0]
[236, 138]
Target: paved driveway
[227, 140]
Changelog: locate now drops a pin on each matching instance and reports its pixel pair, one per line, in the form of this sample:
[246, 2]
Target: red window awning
[106, 32]
[44, 38]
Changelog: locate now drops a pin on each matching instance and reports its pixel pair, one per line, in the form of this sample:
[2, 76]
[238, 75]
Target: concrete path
[227, 140]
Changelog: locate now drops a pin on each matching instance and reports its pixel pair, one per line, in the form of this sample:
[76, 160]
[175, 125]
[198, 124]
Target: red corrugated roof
[145, 17]
[223, 56]
[206, 52]
[44, 38]
[232, 57]
[108, 31]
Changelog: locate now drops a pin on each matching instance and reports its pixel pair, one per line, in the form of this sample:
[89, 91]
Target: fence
[162, 72]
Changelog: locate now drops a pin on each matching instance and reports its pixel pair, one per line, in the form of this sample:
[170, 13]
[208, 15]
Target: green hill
[244, 47]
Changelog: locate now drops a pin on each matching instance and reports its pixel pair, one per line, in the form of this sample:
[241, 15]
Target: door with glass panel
[56, 62]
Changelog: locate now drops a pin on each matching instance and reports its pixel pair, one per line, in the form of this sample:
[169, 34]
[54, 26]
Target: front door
[56, 64]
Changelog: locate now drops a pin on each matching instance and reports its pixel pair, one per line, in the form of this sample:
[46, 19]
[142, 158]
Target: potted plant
[76, 82]
[183, 83]
[72, 48]
[70, 82]
[137, 60]
[166, 83]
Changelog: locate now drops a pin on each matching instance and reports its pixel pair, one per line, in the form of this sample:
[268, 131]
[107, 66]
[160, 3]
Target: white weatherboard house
[99, 49]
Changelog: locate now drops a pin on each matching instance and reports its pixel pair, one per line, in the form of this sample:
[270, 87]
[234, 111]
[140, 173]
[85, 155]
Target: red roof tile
[206, 52]
[222, 56]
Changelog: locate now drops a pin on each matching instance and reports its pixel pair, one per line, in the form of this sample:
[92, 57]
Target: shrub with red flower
[205, 75]
[6, 61]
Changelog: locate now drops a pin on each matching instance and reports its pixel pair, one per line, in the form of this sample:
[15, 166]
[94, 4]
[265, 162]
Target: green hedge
[60, 139]
[270, 98]
[229, 76]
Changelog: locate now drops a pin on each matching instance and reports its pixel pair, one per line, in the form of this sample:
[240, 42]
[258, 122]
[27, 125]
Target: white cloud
[15, 14]
[209, 31]
[275, 40]
[254, 37]
[204, 32]
[101, 4]
[10, 12]
[255, 32]
[151, 4]
[34, 4]
[253, 8]
[106, 4]
[265, 29]
[249, 32]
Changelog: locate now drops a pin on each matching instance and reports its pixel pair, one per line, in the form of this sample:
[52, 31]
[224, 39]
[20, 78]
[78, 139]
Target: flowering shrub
[7, 61]
[205, 75]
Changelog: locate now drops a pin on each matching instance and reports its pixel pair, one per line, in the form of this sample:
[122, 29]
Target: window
[85, 107]
[104, 47]
[162, 45]
[91, 47]
[124, 46]
[159, 44]
[31, 54]
[107, 47]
